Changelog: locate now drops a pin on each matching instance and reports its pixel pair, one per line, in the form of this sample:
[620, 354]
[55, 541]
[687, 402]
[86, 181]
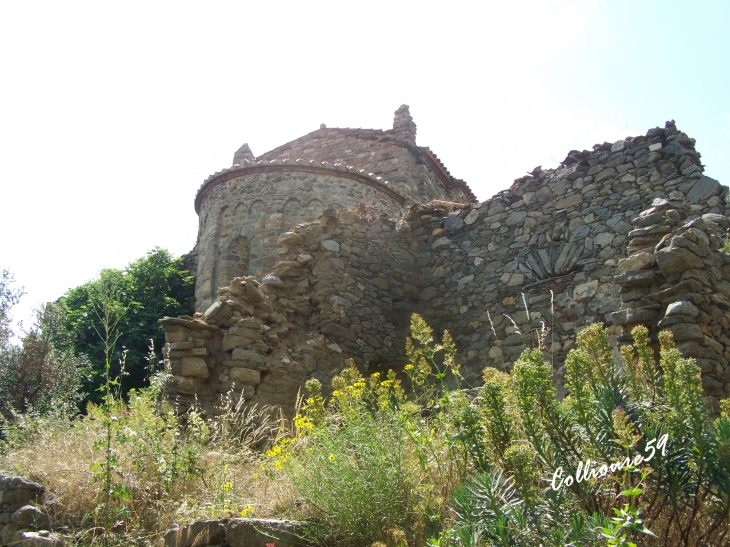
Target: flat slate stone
[640, 278]
[704, 188]
[260, 532]
[633, 315]
[331, 245]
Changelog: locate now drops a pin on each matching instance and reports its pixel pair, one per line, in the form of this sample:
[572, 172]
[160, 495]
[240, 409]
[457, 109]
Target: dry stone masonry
[629, 232]
[23, 522]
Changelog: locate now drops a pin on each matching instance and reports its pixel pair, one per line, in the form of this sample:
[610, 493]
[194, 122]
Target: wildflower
[331, 457]
[409, 366]
[247, 511]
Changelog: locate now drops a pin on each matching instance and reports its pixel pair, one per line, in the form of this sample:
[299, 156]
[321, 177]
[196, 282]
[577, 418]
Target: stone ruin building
[321, 249]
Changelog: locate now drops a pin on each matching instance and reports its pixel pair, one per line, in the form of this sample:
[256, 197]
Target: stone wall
[242, 218]
[586, 242]
[676, 278]
[22, 521]
[245, 208]
[551, 244]
[344, 286]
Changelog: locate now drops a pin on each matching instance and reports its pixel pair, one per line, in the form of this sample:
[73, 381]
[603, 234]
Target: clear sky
[113, 113]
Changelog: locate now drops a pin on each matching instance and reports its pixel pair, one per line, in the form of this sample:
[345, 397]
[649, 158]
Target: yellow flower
[331, 457]
[409, 366]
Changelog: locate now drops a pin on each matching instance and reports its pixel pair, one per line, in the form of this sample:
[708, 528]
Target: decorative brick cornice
[340, 170]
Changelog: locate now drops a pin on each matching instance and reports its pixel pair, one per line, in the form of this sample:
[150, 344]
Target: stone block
[338, 330]
[703, 189]
[179, 346]
[197, 534]
[586, 290]
[677, 260]
[633, 316]
[194, 367]
[570, 202]
[440, 242]
[231, 341]
[640, 278]
[331, 245]
[180, 384]
[639, 261]
[30, 517]
[259, 532]
[516, 218]
[453, 222]
[248, 356]
[40, 539]
[253, 294]
[245, 376]
[290, 238]
[178, 335]
[603, 175]
[473, 215]
[16, 492]
[686, 331]
[682, 307]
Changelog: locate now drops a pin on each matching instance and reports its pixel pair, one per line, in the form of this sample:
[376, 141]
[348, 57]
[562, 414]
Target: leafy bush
[372, 465]
[631, 455]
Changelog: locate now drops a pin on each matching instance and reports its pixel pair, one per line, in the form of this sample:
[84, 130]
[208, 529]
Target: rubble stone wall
[22, 519]
[344, 287]
[627, 233]
[552, 244]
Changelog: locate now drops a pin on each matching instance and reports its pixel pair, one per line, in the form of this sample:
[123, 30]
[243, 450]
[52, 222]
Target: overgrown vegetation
[152, 287]
[630, 457]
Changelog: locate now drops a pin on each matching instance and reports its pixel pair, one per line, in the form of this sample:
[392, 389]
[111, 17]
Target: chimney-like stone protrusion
[243, 153]
[404, 126]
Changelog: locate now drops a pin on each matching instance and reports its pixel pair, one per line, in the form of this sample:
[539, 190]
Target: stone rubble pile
[23, 522]
[676, 278]
[342, 287]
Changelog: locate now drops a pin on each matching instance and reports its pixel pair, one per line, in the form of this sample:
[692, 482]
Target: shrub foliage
[631, 456]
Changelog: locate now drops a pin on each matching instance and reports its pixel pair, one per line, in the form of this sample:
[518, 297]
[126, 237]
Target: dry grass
[221, 479]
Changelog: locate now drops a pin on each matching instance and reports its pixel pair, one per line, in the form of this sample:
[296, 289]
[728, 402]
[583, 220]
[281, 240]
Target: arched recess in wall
[221, 235]
[292, 214]
[256, 223]
[314, 210]
[240, 214]
[234, 258]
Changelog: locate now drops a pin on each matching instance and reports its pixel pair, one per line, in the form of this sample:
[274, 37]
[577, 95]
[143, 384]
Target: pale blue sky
[112, 114]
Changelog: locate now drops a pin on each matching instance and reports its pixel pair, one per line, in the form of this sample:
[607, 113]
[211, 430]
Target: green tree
[148, 289]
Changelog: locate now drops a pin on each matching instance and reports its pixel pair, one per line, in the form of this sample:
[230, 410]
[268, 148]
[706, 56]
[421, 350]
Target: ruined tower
[244, 208]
